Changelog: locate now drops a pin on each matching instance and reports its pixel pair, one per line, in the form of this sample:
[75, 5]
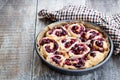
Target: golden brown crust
[66, 53]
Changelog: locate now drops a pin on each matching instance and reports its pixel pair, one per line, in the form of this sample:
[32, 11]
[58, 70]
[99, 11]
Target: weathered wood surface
[108, 7]
[19, 25]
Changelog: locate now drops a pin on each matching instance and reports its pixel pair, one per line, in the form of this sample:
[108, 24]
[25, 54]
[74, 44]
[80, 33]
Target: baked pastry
[67, 43]
[79, 50]
[58, 33]
[48, 46]
[76, 29]
[57, 60]
[73, 45]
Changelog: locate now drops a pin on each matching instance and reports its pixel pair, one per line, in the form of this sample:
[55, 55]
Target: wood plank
[17, 24]
[107, 6]
[41, 71]
[111, 69]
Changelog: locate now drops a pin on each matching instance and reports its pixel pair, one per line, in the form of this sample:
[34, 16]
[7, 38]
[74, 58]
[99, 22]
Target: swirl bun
[76, 29]
[67, 43]
[58, 33]
[91, 34]
[48, 46]
[76, 63]
[79, 50]
[57, 60]
[95, 57]
[100, 44]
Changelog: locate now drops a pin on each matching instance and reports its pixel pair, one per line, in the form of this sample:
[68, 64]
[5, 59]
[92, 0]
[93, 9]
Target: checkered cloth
[111, 24]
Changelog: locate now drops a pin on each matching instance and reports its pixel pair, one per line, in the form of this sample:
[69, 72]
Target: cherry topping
[78, 49]
[57, 53]
[83, 39]
[92, 54]
[83, 34]
[67, 62]
[100, 39]
[58, 57]
[82, 29]
[58, 33]
[99, 43]
[48, 49]
[80, 64]
[45, 41]
[61, 33]
[85, 57]
[68, 44]
[74, 29]
[91, 44]
[63, 40]
[93, 34]
[64, 32]
[55, 60]
[77, 65]
[73, 40]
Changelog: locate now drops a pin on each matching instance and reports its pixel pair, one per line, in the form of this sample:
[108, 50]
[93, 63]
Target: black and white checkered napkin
[111, 24]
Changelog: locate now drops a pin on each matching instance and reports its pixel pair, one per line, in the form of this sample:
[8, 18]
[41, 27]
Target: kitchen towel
[110, 24]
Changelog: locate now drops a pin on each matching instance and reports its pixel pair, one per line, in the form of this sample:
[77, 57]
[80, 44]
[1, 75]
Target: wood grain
[17, 24]
[108, 7]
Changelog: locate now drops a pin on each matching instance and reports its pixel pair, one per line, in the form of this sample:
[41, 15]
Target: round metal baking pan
[78, 71]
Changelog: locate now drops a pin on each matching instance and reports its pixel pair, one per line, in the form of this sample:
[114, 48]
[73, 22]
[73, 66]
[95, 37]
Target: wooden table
[19, 25]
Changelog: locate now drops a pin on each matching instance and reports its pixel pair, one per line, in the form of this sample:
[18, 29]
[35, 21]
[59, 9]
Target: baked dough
[73, 44]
